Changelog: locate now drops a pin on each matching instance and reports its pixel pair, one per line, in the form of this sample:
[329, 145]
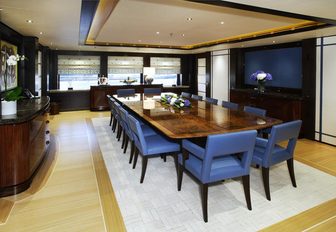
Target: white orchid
[261, 76]
[13, 59]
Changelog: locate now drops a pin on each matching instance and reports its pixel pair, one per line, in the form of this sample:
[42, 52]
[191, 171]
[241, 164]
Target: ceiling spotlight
[183, 35]
[41, 33]
[273, 41]
[222, 22]
[29, 21]
[157, 32]
[189, 19]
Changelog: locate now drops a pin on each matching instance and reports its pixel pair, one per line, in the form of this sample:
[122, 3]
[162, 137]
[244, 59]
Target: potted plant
[9, 101]
[261, 77]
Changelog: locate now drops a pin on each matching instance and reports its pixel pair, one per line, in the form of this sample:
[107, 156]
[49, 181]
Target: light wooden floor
[78, 195]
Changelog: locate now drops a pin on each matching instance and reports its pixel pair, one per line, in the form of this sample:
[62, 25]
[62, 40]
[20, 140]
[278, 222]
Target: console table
[24, 142]
[98, 99]
[286, 107]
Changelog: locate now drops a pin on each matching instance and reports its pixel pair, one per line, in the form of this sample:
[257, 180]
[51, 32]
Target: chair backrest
[152, 91]
[255, 110]
[110, 102]
[288, 131]
[125, 92]
[211, 100]
[227, 144]
[138, 136]
[125, 118]
[196, 97]
[185, 94]
[230, 105]
[116, 111]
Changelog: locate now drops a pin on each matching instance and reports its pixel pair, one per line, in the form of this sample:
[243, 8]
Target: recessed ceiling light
[273, 41]
[222, 22]
[41, 33]
[157, 32]
[189, 19]
[183, 35]
[139, 40]
[29, 21]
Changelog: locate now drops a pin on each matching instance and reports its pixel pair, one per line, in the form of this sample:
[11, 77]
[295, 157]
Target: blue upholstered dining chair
[120, 122]
[230, 105]
[185, 95]
[210, 100]
[110, 102]
[255, 110]
[128, 136]
[150, 146]
[268, 152]
[196, 97]
[224, 156]
[125, 92]
[156, 91]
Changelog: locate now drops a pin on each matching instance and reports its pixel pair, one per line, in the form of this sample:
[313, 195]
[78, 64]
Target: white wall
[325, 126]
[220, 61]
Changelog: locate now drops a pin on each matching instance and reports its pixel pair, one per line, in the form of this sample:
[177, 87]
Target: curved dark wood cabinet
[24, 142]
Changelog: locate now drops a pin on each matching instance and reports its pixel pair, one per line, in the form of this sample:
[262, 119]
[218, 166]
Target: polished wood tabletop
[199, 120]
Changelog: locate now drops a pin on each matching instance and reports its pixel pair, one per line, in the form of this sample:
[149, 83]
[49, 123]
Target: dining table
[198, 120]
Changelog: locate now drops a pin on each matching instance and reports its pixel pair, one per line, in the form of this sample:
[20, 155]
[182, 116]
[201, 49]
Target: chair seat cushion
[156, 144]
[279, 154]
[221, 168]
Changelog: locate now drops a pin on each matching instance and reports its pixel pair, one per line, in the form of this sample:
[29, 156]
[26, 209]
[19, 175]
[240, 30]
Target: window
[166, 70]
[121, 68]
[78, 72]
[201, 77]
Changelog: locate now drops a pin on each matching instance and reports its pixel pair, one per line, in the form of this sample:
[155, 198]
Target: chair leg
[165, 158]
[290, 166]
[132, 152]
[176, 162]
[265, 175]
[111, 119]
[246, 184]
[179, 177]
[118, 130]
[126, 143]
[144, 167]
[123, 139]
[135, 158]
[204, 197]
[114, 125]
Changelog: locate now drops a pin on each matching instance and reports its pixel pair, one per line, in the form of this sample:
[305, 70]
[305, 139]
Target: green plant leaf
[14, 94]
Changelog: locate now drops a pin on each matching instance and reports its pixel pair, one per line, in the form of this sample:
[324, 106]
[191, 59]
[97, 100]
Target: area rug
[156, 205]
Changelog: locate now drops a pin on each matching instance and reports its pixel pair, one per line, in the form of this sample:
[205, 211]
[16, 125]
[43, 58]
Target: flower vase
[8, 107]
[261, 86]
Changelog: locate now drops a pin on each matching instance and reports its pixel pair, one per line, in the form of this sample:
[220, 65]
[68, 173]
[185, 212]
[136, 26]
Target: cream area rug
[156, 205]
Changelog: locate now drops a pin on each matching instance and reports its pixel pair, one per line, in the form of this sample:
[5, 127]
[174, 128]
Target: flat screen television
[284, 64]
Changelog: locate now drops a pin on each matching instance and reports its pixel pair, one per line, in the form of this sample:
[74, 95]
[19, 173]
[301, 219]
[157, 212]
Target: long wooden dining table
[199, 120]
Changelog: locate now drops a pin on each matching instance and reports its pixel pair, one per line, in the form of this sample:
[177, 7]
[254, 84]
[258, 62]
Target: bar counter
[24, 142]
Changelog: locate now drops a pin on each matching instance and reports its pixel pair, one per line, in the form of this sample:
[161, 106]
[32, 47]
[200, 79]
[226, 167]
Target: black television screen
[284, 64]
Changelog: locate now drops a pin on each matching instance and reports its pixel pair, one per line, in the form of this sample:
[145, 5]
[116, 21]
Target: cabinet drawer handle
[47, 142]
[47, 132]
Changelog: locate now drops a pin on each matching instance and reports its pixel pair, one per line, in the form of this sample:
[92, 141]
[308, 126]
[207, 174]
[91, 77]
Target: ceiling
[135, 23]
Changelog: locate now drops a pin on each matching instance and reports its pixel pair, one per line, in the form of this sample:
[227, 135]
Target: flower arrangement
[14, 94]
[261, 77]
[174, 100]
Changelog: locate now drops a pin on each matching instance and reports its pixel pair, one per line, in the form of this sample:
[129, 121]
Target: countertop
[27, 109]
